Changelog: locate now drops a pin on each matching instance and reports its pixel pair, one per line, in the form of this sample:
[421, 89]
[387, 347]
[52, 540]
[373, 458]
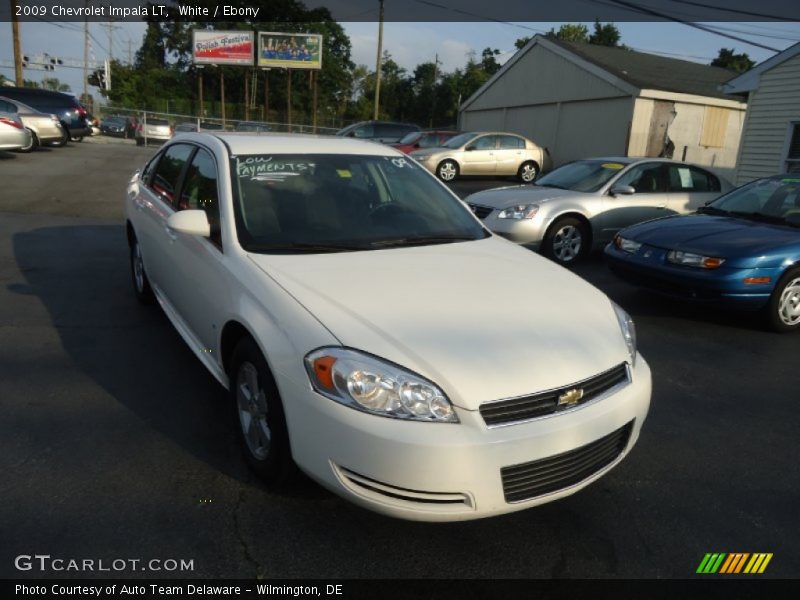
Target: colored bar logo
[734, 563]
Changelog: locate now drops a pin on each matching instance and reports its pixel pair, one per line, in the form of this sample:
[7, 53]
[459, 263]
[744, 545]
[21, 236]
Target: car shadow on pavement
[81, 276]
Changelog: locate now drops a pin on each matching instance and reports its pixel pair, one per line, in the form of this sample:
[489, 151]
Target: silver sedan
[13, 135]
[584, 203]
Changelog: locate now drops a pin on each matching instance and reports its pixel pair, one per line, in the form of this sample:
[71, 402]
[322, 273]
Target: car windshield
[771, 199]
[582, 175]
[334, 202]
[410, 138]
[459, 140]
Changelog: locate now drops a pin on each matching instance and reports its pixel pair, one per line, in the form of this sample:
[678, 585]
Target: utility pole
[20, 81]
[289, 99]
[266, 94]
[222, 94]
[433, 89]
[86, 55]
[200, 89]
[378, 67]
[110, 27]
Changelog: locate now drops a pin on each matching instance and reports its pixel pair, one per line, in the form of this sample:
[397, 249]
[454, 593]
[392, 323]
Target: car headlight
[519, 212]
[694, 260]
[626, 245]
[628, 330]
[369, 384]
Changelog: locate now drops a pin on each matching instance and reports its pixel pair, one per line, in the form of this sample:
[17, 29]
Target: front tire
[566, 241]
[528, 172]
[141, 285]
[447, 170]
[260, 422]
[783, 309]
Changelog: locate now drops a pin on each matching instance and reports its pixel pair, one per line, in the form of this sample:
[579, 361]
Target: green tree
[520, 43]
[605, 35]
[570, 33]
[734, 62]
[488, 61]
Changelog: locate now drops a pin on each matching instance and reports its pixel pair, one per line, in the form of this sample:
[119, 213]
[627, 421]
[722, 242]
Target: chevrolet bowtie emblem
[570, 397]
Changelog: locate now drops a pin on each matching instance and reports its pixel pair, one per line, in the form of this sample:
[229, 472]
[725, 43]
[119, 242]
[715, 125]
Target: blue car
[742, 250]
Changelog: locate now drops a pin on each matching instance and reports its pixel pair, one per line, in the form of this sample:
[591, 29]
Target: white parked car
[582, 204]
[373, 333]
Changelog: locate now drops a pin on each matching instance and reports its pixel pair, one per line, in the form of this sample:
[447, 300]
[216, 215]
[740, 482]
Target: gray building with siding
[581, 100]
[771, 137]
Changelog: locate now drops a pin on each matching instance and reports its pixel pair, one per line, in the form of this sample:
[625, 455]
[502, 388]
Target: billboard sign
[222, 47]
[289, 50]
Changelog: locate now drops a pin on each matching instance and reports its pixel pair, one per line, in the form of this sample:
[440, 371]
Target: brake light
[81, 111]
[10, 122]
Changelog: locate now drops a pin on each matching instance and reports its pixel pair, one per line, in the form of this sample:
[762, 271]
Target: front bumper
[527, 232]
[649, 269]
[442, 471]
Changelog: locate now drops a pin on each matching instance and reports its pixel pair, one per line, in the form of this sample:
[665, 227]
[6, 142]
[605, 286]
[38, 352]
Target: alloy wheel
[789, 303]
[253, 409]
[567, 243]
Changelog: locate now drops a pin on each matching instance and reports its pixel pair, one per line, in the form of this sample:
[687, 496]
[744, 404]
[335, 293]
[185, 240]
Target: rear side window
[199, 190]
[510, 142]
[7, 107]
[168, 172]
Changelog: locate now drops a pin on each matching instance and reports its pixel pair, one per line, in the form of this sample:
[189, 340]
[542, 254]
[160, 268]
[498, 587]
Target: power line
[648, 11]
[481, 17]
[731, 10]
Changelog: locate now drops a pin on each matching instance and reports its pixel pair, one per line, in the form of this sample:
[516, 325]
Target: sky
[408, 43]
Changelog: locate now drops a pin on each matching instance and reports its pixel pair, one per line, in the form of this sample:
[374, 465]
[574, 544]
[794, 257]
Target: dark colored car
[379, 131]
[742, 249]
[417, 140]
[118, 126]
[188, 126]
[66, 107]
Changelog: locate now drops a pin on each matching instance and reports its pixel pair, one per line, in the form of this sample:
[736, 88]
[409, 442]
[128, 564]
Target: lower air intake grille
[529, 480]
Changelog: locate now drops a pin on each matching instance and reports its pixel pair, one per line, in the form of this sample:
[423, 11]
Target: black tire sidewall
[276, 468]
[773, 320]
[547, 245]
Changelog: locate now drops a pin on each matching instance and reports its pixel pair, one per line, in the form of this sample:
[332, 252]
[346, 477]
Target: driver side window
[486, 142]
[645, 179]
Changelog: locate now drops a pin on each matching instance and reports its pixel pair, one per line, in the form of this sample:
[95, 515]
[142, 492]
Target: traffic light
[98, 78]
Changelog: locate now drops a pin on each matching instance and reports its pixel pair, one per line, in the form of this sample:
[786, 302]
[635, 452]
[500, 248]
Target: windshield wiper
[711, 210]
[758, 216]
[304, 247]
[422, 241]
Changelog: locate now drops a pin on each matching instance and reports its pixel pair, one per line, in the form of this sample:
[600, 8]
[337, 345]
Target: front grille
[524, 408]
[480, 211]
[529, 480]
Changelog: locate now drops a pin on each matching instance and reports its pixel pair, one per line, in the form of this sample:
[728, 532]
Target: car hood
[517, 194]
[484, 320]
[712, 235]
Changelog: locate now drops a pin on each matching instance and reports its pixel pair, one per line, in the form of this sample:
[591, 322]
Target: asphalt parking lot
[115, 442]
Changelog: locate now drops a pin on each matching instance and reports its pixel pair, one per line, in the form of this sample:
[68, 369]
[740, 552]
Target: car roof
[246, 142]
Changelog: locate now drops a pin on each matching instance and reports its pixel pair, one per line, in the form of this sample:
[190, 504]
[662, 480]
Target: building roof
[749, 80]
[648, 71]
[630, 70]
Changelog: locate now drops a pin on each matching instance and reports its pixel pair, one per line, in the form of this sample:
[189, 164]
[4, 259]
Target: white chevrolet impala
[373, 333]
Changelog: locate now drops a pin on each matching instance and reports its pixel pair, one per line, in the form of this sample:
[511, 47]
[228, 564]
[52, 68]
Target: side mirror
[622, 190]
[416, 145]
[793, 219]
[469, 148]
[190, 222]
